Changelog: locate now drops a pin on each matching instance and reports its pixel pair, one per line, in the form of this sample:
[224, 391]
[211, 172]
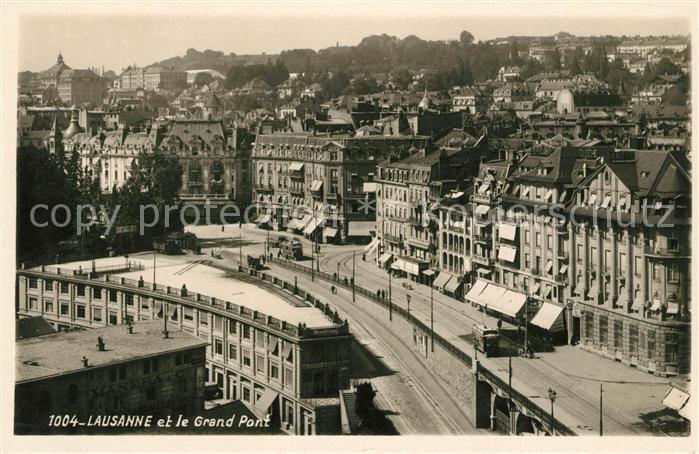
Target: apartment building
[315, 184]
[288, 362]
[565, 232]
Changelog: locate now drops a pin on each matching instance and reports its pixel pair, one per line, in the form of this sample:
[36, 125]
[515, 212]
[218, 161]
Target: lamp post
[430, 274]
[552, 398]
[353, 276]
[390, 304]
[240, 252]
[407, 297]
[338, 271]
[600, 409]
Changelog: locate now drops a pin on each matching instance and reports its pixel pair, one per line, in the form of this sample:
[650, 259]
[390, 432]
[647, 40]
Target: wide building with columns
[291, 370]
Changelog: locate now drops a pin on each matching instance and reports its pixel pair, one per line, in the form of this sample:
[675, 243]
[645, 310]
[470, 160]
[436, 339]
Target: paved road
[575, 374]
[414, 399]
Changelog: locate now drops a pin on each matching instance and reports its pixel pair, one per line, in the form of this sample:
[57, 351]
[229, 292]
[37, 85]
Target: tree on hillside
[466, 38]
[203, 78]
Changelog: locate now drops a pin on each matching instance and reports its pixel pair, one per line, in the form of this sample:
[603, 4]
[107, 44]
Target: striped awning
[549, 317]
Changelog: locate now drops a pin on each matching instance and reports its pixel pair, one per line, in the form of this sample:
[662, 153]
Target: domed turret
[74, 127]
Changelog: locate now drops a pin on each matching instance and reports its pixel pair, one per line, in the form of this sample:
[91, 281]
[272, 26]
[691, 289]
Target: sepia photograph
[275, 219]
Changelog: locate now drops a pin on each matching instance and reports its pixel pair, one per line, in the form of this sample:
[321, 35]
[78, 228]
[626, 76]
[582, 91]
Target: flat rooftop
[61, 353]
[178, 270]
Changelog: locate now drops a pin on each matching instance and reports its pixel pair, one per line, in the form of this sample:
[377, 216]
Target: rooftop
[61, 353]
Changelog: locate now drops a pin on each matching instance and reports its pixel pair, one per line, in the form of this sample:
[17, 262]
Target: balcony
[392, 239]
[418, 242]
[484, 199]
[483, 238]
[212, 197]
[665, 252]
[485, 261]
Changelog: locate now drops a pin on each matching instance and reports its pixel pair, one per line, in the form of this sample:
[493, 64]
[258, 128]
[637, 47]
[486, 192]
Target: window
[527, 261]
[260, 364]
[549, 241]
[129, 299]
[232, 352]
[656, 271]
[33, 282]
[673, 273]
[188, 313]
[633, 339]
[618, 333]
[603, 329]
[288, 376]
[527, 238]
[48, 285]
[150, 393]
[80, 311]
[112, 318]
[246, 358]
[112, 295]
[637, 265]
[589, 324]
[650, 343]
[96, 314]
[65, 309]
[97, 293]
[580, 252]
[80, 289]
[671, 347]
[259, 338]
[218, 347]
[274, 371]
[33, 304]
[246, 331]
[231, 326]
[64, 287]
[48, 306]
[218, 322]
[246, 394]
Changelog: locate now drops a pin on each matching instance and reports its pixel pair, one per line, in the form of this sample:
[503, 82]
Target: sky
[115, 36]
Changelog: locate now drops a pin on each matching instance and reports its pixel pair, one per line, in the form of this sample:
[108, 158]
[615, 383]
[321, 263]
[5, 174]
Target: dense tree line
[272, 73]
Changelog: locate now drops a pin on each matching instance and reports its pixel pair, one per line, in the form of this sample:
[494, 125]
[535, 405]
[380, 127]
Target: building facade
[159, 78]
[293, 373]
[113, 370]
[315, 184]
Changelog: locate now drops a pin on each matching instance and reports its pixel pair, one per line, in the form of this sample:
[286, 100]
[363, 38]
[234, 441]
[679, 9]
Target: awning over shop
[411, 268]
[482, 209]
[467, 265]
[361, 228]
[499, 299]
[385, 257]
[296, 166]
[676, 399]
[300, 225]
[369, 248]
[313, 225]
[266, 401]
[549, 317]
[441, 280]
[398, 264]
[369, 187]
[264, 219]
[475, 291]
[508, 231]
[452, 285]
[507, 253]
[330, 232]
[673, 307]
[317, 185]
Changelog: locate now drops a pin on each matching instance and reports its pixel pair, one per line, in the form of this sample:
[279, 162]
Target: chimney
[100, 344]
[84, 360]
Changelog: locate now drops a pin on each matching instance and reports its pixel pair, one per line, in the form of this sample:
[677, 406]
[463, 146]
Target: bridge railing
[462, 356]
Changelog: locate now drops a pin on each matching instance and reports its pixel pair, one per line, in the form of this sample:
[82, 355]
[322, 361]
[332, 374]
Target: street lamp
[552, 397]
[408, 298]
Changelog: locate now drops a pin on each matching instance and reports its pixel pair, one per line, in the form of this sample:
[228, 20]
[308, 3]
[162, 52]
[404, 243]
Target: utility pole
[154, 252]
[338, 271]
[240, 251]
[407, 297]
[353, 277]
[526, 326]
[268, 240]
[432, 316]
[600, 409]
[390, 304]
[509, 372]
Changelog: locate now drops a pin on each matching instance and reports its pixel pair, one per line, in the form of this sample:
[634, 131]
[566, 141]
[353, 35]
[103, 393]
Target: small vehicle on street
[407, 286]
[486, 339]
[278, 241]
[291, 250]
[254, 263]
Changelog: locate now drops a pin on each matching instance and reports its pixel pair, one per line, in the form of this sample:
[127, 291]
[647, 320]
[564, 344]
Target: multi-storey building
[470, 100]
[315, 184]
[404, 200]
[113, 370]
[49, 77]
[577, 233]
[132, 78]
[80, 86]
[455, 236]
[215, 161]
[160, 78]
[284, 361]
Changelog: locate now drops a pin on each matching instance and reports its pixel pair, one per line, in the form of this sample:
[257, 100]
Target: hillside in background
[213, 59]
